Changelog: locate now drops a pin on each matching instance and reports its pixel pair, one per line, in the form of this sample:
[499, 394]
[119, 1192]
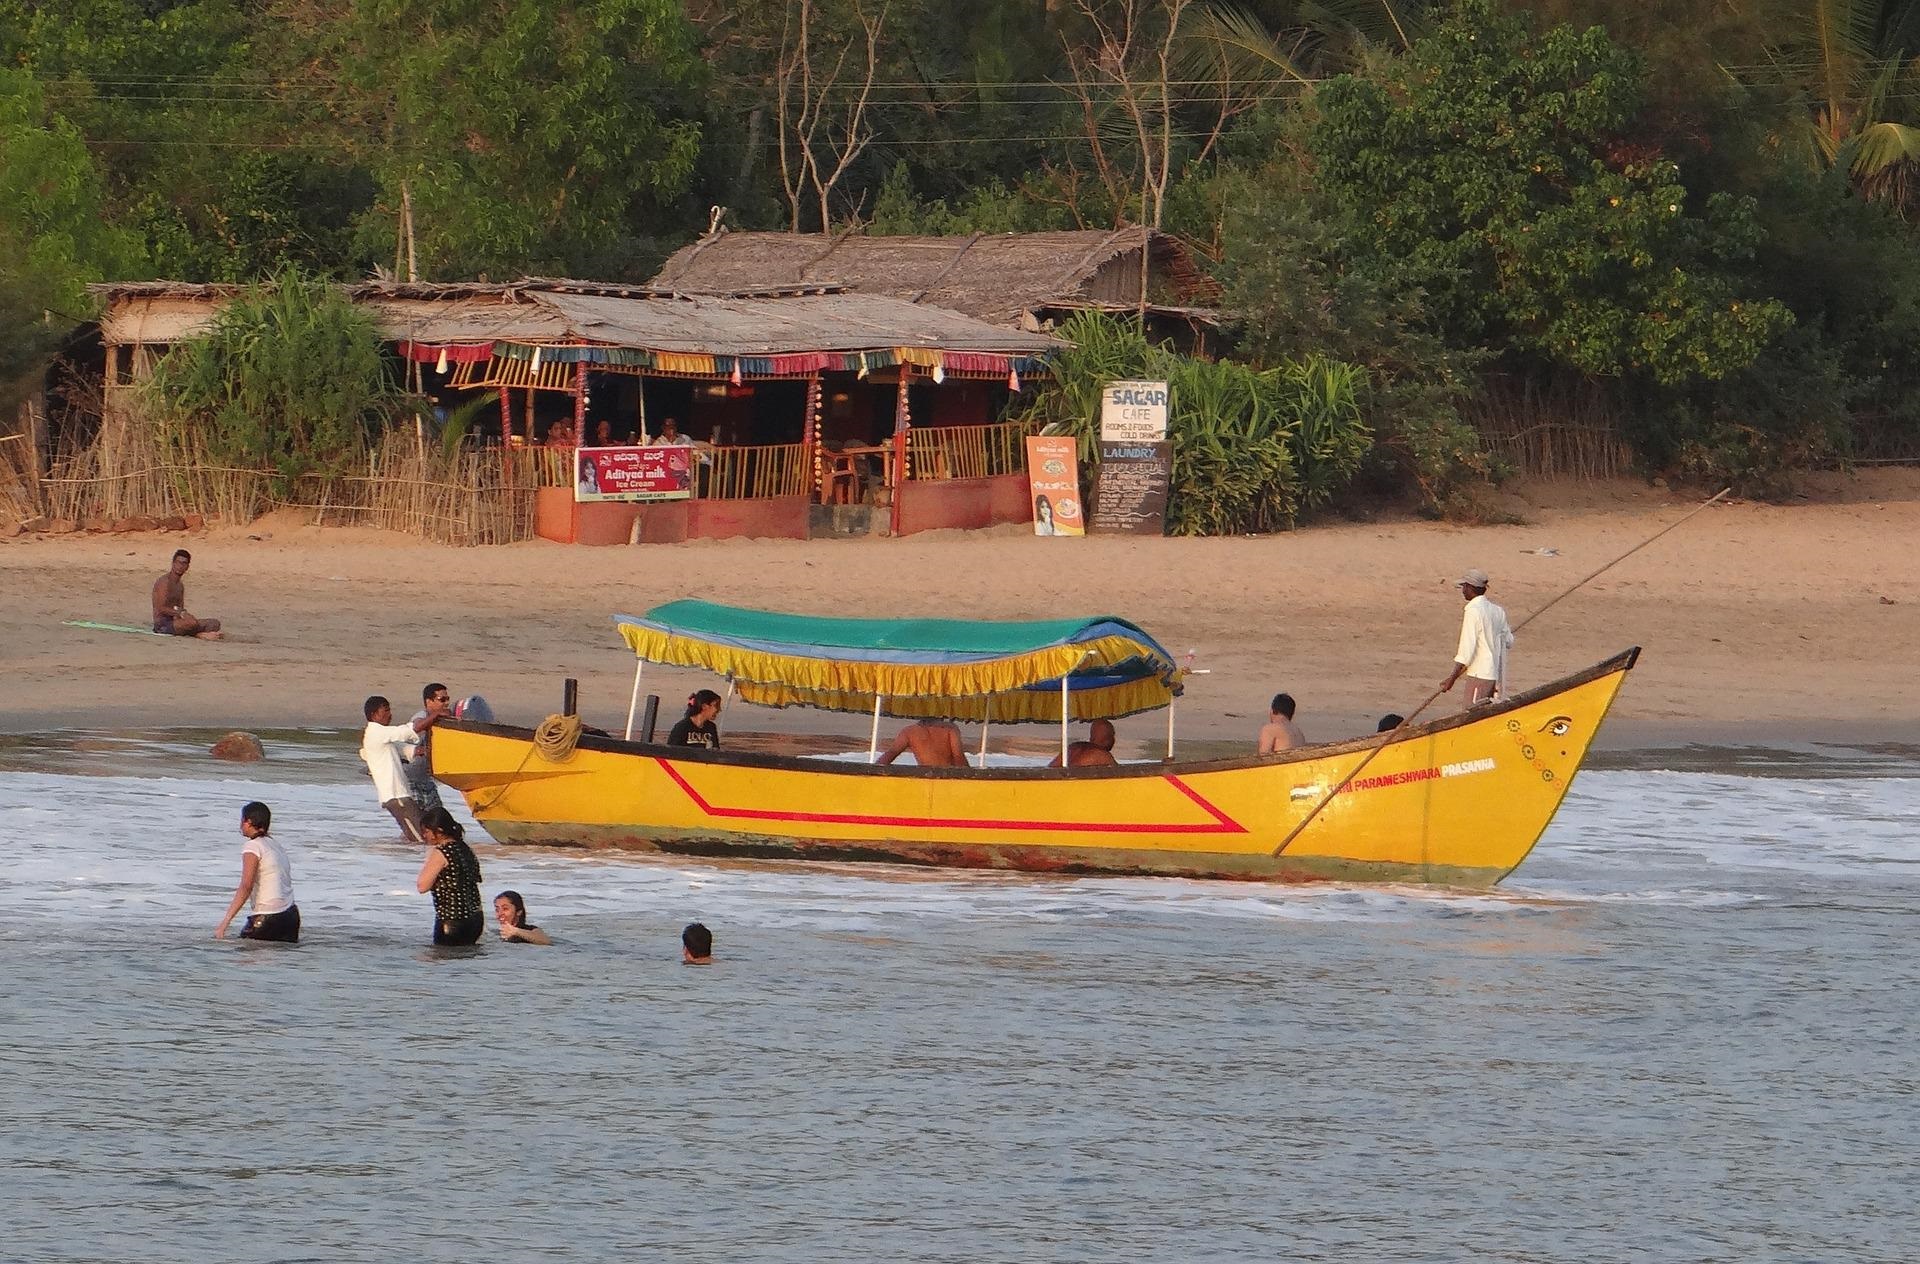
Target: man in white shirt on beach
[383, 745]
[1485, 639]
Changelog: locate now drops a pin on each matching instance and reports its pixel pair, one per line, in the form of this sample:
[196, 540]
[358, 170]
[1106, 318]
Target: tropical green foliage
[1253, 449]
[1699, 213]
[1492, 169]
[290, 378]
[54, 238]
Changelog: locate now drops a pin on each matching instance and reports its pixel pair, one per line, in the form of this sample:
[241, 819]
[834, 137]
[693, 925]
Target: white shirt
[273, 882]
[380, 748]
[1485, 639]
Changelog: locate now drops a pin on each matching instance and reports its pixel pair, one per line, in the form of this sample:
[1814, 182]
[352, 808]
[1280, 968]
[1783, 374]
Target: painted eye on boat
[1559, 725]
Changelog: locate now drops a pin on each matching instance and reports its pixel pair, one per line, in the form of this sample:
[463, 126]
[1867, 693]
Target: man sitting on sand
[934, 743]
[170, 617]
[380, 748]
[1095, 752]
[1280, 732]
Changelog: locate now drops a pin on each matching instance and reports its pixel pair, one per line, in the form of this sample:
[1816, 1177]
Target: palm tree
[1852, 63]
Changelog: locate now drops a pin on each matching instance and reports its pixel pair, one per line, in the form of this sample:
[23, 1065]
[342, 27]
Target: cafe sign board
[1133, 412]
[1130, 493]
[663, 472]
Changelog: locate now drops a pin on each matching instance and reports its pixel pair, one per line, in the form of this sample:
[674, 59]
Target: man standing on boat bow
[1485, 639]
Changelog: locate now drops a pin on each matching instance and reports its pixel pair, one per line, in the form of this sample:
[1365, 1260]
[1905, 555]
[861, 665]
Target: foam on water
[1682, 1031]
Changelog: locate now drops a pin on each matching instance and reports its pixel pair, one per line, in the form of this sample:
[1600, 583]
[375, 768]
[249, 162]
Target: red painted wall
[967, 503]
[777, 517]
[557, 517]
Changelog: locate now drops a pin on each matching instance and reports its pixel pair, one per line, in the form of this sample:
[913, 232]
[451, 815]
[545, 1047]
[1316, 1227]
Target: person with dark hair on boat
[1095, 752]
[452, 874]
[1280, 732]
[1391, 720]
[696, 945]
[435, 701]
[511, 912]
[266, 878]
[934, 744]
[698, 728]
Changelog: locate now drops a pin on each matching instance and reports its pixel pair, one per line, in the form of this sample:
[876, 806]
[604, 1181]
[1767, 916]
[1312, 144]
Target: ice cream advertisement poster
[1053, 478]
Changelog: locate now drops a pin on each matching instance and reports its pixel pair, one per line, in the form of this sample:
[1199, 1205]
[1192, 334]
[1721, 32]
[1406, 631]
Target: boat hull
[1460, 801]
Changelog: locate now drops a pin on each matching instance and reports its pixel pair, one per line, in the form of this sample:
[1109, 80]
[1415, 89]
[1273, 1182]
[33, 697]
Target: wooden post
[579, 404]
[902, 422]
[810, 435]
[529, 417]
[33, 436]
[506, 434]
[873, 742]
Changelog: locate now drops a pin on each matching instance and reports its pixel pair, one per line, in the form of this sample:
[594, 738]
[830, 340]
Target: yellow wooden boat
[1458, 801]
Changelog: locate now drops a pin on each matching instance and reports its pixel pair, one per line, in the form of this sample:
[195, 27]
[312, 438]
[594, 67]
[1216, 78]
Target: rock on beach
[241, 748]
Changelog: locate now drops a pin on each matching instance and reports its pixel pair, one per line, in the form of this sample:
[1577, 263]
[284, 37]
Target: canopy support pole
[985, 724]
[633, 703]
[873, 743]
[1063, 718]
[1171, 703]
[1065, 676]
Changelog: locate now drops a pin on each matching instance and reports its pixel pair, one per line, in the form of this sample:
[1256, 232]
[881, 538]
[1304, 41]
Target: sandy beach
[1760, 623]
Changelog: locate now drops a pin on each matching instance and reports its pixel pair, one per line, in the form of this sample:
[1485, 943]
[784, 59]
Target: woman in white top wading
[266, 878]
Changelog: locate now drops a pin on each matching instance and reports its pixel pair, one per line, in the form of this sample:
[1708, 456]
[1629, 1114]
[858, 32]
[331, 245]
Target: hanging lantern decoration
[1013, 379]
[736, 372]
[535, 369]
[440, 365]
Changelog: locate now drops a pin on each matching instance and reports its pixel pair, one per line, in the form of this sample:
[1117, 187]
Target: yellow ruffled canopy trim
[956, 690]
[1023, 707]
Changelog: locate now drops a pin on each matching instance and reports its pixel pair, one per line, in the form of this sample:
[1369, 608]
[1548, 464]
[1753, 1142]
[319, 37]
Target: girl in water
[698, 729]
[452, 874]
[266, 878]
[511, 912]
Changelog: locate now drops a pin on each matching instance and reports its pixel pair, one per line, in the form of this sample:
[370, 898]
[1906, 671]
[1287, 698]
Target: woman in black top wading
[452, 873]
[698, 729]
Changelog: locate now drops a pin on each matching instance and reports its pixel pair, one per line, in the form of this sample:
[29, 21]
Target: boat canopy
[957, 669]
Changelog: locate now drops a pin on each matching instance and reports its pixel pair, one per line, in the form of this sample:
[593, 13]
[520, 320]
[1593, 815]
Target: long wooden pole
[1382, 740]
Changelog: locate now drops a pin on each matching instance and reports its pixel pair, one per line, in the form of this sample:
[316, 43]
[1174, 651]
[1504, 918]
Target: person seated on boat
[1095, 752]
[698, 728]
[1280, 732]
[696, 945]
[934, 743]
[1391, 720]
[511, 912]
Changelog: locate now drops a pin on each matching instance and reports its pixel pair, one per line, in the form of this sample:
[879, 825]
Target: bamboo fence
[936, 452]
[123, 470]
[1559, 431]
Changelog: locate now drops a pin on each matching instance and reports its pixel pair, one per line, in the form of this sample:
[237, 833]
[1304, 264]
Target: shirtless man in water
[934, 743]
[170, 617]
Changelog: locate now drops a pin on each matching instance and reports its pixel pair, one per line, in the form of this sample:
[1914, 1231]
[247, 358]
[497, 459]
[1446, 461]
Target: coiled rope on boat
[554, 740]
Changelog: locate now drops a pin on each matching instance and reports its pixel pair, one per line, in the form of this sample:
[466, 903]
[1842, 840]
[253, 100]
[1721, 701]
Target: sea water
[1684, 1030]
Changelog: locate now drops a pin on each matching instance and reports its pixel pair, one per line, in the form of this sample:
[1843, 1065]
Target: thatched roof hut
[534, 310]
[1025, 280]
